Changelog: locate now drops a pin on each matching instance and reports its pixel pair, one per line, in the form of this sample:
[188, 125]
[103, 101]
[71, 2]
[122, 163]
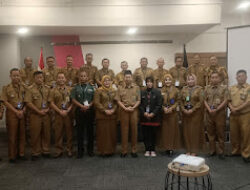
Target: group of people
[157, 100]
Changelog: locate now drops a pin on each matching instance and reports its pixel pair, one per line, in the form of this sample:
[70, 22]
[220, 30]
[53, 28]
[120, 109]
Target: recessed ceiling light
[22, 30]
[132, 30]
[244, 5]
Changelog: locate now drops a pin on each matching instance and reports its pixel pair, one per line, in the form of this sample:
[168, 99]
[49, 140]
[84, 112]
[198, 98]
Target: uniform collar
[129, 86]
[242, 86]
[214, 86]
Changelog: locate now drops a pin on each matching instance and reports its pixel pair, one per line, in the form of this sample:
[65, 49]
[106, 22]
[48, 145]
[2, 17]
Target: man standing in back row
[141, 73]
[159, 73]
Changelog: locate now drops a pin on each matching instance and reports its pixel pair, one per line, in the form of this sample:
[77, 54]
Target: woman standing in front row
[105, 104]
[150, 107]
[191, 106]
[170, 133]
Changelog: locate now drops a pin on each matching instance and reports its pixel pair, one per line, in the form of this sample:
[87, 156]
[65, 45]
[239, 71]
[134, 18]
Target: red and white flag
[41, 63]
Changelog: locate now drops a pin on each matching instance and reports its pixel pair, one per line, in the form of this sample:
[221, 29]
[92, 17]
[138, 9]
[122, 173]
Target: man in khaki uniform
[26, 73]
[50, 73]
[128, 98]
[141, 73]
[89, 68]
[198, 70]
[1, 114]
[239, 104]
[119, 78]
[104, 71]
[215, 99]
[159, 73]
[13, 98]
[59, 99]
[178, 73]
[36, 98]
[214, 67]
[70, 72]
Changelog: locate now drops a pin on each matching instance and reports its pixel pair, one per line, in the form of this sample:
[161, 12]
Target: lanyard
[190, 92]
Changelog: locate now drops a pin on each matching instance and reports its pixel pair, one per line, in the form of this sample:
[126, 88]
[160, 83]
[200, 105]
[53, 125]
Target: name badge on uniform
[53, 84]
[172, 101]
[44, 105]
[187, 99]
[70, 83]
[159, 84]
[64, 106]
[242, 96]
[110, 106]
[67, 99]
[177, 83]
[27, 82]
[86, 103]
[19, 105]
[217, 101]
[144, 83]
[148, 109]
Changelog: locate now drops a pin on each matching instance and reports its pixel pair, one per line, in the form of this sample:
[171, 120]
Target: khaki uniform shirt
[104, 100]
[179, 76]
[221, 70]
[128, 95]
[140, 76]
[119, 79]
[38, 96]
[158, 75]
[60, 97]
[170, 96]
[27, 76]
[50, 76]
[91, 70]
[200, 72]
[215, 95]
[71, 75]
[192, 96]
[14, 95]
[239, 95]
[100, 73]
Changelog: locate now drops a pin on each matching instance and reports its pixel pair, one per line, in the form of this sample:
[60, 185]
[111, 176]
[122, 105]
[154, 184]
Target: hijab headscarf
[167, 76]
[103, 87]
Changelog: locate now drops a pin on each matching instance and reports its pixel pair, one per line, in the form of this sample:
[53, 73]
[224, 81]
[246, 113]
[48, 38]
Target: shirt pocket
[11, 94]
[35, 96]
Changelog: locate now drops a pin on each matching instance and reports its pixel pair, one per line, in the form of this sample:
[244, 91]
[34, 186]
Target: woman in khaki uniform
[104, 101]
[170, 133]
[191, 106]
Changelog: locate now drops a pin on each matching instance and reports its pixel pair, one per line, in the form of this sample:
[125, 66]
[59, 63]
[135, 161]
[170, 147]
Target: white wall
[9, 58]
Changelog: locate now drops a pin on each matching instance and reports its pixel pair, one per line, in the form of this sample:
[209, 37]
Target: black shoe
[234, 155]
[91, 154]
[0, 159]
[34, 158]
[46, 155]
[123, 155]
[58, 155]
[79, 155]
[211, 155]
[246, 160]
[134, 155]
[12, 161]
[221, 156]
[167, 152]
[23, 158]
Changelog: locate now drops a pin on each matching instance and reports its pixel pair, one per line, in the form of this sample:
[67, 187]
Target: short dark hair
[83, 71]
[127, 72]
[215, 72]
[241, 71]
[144, 58]
[13, 69]
[178, 57]
[69, 56]
[150, 78]
[89, 54]
[50, 57]
[59, 73]
[105, 59]
[37, 73]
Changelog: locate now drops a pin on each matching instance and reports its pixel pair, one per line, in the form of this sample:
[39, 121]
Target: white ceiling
[228, 10]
